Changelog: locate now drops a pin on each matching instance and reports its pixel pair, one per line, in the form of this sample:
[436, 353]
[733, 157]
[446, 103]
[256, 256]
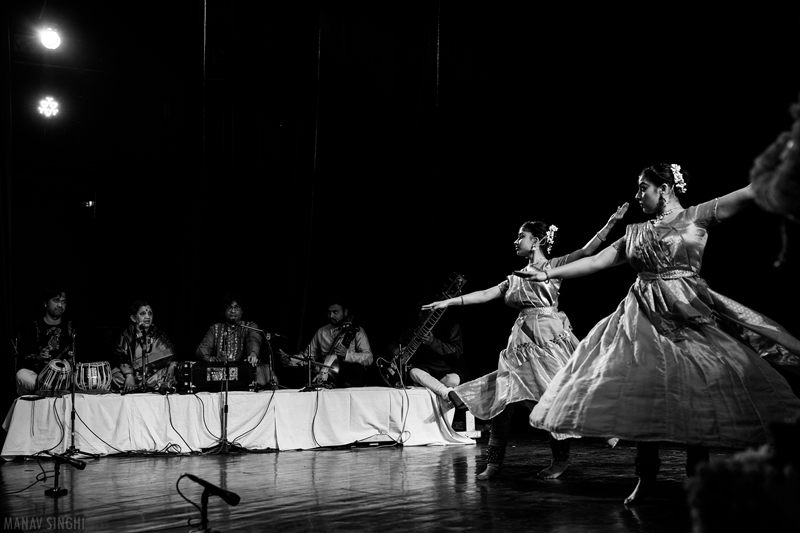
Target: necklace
[539, 265]
[661, 215]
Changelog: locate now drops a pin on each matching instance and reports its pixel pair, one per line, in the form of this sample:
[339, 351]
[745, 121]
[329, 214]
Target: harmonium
[205, 376]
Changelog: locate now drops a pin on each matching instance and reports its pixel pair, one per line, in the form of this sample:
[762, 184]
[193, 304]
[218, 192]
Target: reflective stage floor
[369, 488]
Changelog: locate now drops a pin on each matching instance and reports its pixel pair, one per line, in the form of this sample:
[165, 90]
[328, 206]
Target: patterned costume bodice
[677, 245]
[521, 293]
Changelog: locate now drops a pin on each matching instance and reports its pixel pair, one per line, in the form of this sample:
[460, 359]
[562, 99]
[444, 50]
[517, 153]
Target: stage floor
[367, 488]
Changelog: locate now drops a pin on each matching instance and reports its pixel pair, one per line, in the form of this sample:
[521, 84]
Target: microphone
[231, 498]
[145, 338]
[80, 465]
[269, 334]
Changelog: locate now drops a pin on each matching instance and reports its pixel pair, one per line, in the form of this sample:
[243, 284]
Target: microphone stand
[145, 362]
[72, 450]
[273, 382]
[57, 491]
[225, 446]
[310, 361]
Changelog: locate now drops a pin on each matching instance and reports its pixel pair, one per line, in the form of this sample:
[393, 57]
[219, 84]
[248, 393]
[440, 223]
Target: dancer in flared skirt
[676, 362]
[540, 343]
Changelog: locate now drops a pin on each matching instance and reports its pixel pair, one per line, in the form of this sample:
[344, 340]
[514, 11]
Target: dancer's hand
[617, 216]
[531, 276]
[436, 305]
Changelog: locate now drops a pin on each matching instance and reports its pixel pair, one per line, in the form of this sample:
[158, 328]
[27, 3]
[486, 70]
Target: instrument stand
[204, 515]
[273, 382]
[398, 366]
[72, 450]
[224, 446]
[312, 387]
[56, 491]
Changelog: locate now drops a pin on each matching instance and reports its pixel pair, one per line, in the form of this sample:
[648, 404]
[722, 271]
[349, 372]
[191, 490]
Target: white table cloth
[280, 420]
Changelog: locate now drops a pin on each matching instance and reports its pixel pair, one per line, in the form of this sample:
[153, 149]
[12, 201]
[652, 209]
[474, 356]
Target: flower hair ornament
[680, 184]
[550, 237]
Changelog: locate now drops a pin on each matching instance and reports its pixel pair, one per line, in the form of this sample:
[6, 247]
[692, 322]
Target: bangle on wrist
[600, 237]
[462, 300]
[546, 276]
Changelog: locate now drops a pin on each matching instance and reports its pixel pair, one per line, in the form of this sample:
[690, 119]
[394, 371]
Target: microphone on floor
[231, 498]
[77, 463]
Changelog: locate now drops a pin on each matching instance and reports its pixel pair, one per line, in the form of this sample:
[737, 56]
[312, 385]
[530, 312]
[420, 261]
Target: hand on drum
[130, 383]
[44, 355]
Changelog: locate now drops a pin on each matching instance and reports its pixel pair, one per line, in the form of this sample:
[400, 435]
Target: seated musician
[145, 356]
[435, 364]
[236, 340]
[42, 340]
[340, 344]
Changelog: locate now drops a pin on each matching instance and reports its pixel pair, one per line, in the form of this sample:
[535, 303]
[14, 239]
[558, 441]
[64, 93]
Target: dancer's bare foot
[555, 469]
[491, 471]
[643, 489]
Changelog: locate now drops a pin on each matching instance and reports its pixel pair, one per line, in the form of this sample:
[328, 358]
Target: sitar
[394, 370]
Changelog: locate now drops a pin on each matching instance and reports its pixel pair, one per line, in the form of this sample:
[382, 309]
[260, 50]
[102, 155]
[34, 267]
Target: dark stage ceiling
[294, 150]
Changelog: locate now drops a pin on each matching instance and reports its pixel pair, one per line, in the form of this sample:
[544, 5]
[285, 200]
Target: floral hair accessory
[680, 184]
[550, 237]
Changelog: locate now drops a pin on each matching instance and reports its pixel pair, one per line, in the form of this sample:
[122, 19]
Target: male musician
[42, 340]
[341, 345]
[235, 340]
[435, 364]
[145, 356]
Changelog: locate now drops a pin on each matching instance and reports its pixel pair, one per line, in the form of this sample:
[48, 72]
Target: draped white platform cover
[281, 420]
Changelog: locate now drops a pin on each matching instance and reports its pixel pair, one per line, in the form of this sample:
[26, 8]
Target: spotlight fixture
[50, 38]
[48, 107]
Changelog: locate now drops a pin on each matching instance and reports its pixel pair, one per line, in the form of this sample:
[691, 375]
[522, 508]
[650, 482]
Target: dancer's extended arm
[477, 297]
[582, 267]
[732, 203]
[599, 238]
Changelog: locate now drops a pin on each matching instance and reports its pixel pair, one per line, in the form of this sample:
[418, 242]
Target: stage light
[48, 107]
[50, 38]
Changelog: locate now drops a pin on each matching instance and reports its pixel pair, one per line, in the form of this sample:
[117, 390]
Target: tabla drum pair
[57, 377]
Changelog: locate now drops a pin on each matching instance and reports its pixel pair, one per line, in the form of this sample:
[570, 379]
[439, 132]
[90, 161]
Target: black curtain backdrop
[293, 151]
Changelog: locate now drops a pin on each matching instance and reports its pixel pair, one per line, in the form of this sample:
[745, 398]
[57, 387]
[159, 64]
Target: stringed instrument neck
[453, 290]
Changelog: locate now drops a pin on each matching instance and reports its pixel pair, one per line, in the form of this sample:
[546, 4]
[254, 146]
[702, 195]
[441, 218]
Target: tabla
[93, 377]
[56, 376]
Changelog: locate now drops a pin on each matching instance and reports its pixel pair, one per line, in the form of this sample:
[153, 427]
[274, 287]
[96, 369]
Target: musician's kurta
[358, 351]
